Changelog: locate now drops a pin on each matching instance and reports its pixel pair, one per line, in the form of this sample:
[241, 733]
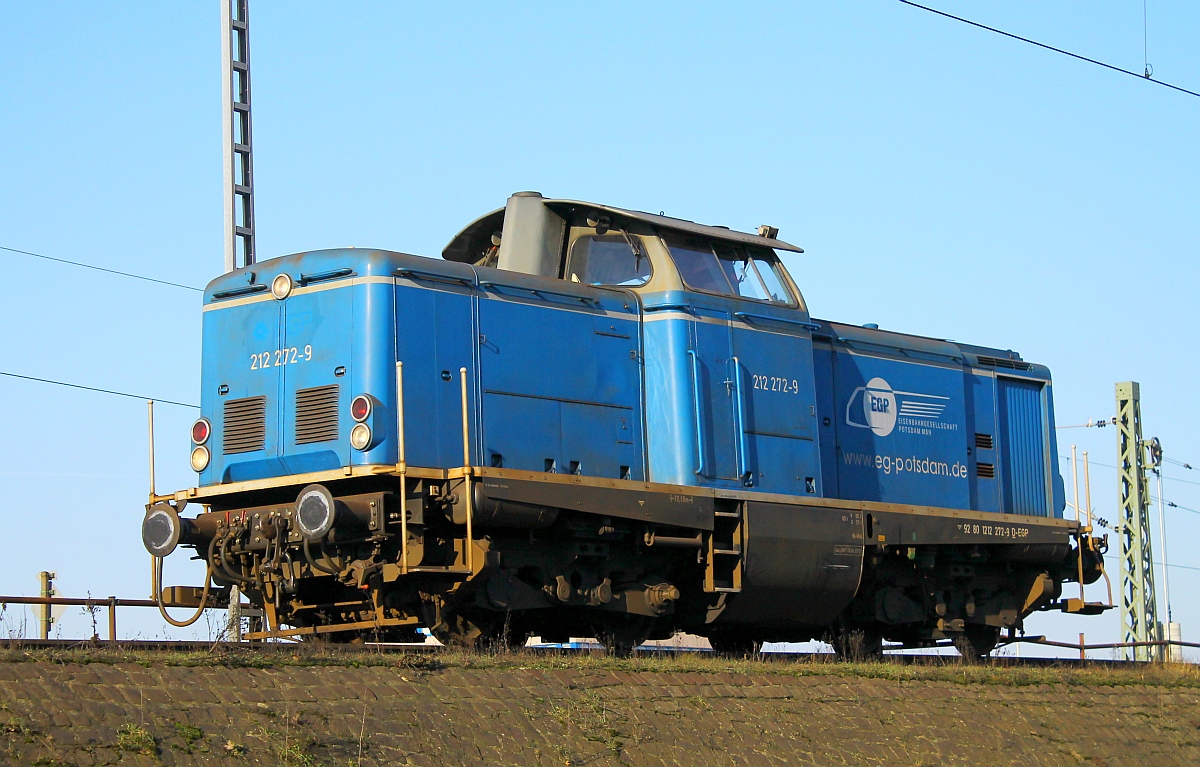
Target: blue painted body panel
[902, 434]
[981, 399]
[676, 387]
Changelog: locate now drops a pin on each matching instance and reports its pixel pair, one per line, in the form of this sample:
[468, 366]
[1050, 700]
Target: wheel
[735, 644]
[976, 642]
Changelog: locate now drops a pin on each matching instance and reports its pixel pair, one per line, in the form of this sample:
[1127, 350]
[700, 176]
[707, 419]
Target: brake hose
[227, 569]
[308, 555]
[156, 567]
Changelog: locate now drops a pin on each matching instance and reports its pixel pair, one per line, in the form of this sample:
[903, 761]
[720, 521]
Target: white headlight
[360, 436]
[281, 286]
[199, 458]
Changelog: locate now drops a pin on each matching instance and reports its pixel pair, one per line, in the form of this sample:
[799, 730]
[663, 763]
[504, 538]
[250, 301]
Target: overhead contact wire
[103, 269]
[1129, 72]
[102, 391]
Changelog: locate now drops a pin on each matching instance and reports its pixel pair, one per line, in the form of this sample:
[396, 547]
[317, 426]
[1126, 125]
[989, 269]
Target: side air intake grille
[245, 425]
[317, 414]
[1000, 362]
[986, 470]
[983, 441]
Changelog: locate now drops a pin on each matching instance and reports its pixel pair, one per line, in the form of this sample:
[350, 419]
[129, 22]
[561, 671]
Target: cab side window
[766, 265]
[607, 259]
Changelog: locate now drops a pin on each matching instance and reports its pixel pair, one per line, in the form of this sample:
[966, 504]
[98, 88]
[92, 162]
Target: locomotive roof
[464, 245]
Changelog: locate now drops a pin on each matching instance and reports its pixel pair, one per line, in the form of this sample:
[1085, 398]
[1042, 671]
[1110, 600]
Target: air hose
[156, 571]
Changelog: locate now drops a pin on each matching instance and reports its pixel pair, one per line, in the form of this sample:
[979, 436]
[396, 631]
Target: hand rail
[751, 318]
[332, 274]
[245, 290]
[401, 468]
[699, 414]
[467, 471]
[421, 274]
[741, 416]
[540, 292]
[668, 308]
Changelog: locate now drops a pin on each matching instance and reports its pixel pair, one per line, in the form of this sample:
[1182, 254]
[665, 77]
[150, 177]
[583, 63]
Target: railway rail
[291, 648]
[288, 644]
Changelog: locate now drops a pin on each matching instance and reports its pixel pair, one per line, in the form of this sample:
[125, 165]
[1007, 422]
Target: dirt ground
[92, 708]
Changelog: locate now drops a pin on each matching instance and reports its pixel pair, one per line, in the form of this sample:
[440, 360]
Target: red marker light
[360, 408]
[201, 431]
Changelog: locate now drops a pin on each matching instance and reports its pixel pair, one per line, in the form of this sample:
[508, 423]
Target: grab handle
[739, 408]
[757, 319]
[421, 274]
[699, 413]
[539, 292]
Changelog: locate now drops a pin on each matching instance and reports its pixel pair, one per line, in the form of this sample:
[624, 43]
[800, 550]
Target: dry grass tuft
[945, 669]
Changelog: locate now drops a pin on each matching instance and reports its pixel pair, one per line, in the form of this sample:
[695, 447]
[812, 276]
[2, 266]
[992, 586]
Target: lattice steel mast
[237, 143]
[1139, 614]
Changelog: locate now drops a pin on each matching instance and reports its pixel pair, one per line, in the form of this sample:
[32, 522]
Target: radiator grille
[245, 425]
[1000, 362]
[985, 470]
[317, 414]
[983, 441]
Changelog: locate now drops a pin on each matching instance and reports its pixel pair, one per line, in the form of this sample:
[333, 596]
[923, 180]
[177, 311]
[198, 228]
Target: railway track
[291, 648]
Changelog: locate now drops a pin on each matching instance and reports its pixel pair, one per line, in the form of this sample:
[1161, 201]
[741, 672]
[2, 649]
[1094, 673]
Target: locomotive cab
[722, 325]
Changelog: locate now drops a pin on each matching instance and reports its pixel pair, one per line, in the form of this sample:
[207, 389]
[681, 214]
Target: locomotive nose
[315, 512]
[161, 530]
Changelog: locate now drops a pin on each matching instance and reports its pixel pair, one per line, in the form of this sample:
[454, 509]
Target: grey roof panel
[464, 244]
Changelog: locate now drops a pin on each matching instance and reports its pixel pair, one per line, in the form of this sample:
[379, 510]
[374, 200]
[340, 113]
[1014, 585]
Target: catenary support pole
[237, 135]
[1139, 614]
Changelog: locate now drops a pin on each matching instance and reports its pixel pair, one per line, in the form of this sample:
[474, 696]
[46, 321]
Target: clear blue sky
[943, 180]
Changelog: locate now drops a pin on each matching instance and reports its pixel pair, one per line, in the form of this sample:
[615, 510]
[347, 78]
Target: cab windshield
[728, 268]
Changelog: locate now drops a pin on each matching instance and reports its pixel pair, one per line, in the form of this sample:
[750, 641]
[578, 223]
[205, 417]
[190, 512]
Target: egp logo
[878, 407]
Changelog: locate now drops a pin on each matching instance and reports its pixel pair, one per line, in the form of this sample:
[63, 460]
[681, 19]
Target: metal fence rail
[111, 603]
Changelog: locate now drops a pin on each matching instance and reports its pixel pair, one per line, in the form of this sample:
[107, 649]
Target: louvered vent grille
[985, 470]
[983, 441]
[317, 414]
[1000, 362]
[245, 425]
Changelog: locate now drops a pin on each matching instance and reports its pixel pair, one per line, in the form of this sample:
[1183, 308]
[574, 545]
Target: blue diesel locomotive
[590, 421]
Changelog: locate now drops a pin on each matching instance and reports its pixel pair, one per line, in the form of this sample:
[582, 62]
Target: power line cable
[102, 269]
[1110, 466]
[1181, 567]
[1174, 505]
[93, 388]
[1129, 72]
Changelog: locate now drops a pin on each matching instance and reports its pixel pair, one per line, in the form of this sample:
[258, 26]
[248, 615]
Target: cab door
[773, 355]
[714, 390]
[752, 367]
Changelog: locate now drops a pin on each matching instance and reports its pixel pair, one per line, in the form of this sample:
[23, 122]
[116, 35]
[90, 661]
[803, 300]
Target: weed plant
[998, 671]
